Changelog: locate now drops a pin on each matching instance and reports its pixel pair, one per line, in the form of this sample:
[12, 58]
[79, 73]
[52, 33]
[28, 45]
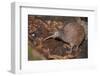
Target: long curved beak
[48, 37]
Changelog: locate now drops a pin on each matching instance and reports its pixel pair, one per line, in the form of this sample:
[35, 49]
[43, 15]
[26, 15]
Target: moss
[30, 56]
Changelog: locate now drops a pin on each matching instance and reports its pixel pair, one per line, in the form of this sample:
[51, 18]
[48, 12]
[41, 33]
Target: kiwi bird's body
[72, 33]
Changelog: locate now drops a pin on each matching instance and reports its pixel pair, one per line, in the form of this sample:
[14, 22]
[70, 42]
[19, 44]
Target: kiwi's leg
[75, 48]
